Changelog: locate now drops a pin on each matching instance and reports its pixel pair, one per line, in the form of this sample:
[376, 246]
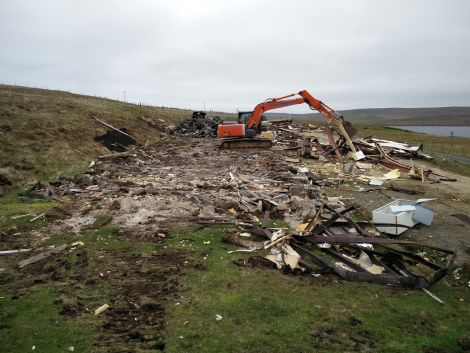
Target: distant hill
[395, 116]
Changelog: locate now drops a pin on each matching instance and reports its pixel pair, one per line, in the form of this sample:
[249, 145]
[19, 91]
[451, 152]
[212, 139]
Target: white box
[402, 212]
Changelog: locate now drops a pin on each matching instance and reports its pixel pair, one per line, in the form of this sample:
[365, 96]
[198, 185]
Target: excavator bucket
[350, 129]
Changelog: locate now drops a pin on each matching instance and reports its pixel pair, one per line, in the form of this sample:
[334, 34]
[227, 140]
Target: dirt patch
[140, 285]
[256, 261]
[70, 306]
[335, 339]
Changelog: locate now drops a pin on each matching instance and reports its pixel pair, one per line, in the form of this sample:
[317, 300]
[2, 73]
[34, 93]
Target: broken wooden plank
[37, 217]
[329, 134]
[7, 252]
[22, 215]
[41, 256]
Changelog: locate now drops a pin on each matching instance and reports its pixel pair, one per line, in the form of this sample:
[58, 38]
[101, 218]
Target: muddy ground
[139, 197]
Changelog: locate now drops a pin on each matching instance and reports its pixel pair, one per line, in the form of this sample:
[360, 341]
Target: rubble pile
[325, 143]
[200, 125]
[332, 242]
[391, 147]
[195, 182]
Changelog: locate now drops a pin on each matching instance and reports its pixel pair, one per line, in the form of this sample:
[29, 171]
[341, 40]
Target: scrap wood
[395, 145]
[41, 256]
[278, 240]
[433, 296]
[385, 265]
[101, 309]
[7, 252]
[284, 256]
[362, 275]
[22, 215]
[329, 133]
[345, 135]
[318, 147]
[37, 217]
[388, 162]
[315, 220]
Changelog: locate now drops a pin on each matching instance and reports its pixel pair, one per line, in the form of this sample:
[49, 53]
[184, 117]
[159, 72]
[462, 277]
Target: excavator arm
[282, 102]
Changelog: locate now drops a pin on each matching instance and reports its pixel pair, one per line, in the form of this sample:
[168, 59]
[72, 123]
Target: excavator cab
[244, 117]
[238, 135]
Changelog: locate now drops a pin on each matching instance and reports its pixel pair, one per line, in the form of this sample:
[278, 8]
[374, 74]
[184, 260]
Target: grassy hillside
[397, 116]
[45, 133]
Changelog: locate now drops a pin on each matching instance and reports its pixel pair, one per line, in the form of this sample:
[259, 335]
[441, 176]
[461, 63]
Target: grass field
[261, 310]
[264, 310]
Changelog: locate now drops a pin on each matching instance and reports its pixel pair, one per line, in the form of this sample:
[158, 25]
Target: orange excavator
[243, 134]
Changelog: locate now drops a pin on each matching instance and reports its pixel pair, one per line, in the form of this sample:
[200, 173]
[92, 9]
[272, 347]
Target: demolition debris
[195, 182]
[200, 125]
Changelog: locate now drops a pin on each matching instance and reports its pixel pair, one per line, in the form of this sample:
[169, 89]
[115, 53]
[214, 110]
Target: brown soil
[140, 288]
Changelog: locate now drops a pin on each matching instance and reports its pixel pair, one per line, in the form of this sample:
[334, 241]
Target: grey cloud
[233, 54]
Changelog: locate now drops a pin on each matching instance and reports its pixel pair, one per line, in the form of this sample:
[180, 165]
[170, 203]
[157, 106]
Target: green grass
[34, 320]
[11, 205]
[266, 311]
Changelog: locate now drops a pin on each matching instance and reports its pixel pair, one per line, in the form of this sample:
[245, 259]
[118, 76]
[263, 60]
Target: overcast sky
[231, 55]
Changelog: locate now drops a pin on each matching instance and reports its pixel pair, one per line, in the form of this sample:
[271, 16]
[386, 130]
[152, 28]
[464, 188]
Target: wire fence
[57, 95]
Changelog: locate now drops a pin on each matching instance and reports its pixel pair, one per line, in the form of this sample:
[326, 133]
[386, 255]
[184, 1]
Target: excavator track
[246, 143]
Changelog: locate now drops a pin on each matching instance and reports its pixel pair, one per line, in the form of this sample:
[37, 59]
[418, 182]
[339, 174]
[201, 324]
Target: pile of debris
[39, 191]
[190, 181]
[200, 125]
[327, 144]
[332, 242]
[391, 147]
